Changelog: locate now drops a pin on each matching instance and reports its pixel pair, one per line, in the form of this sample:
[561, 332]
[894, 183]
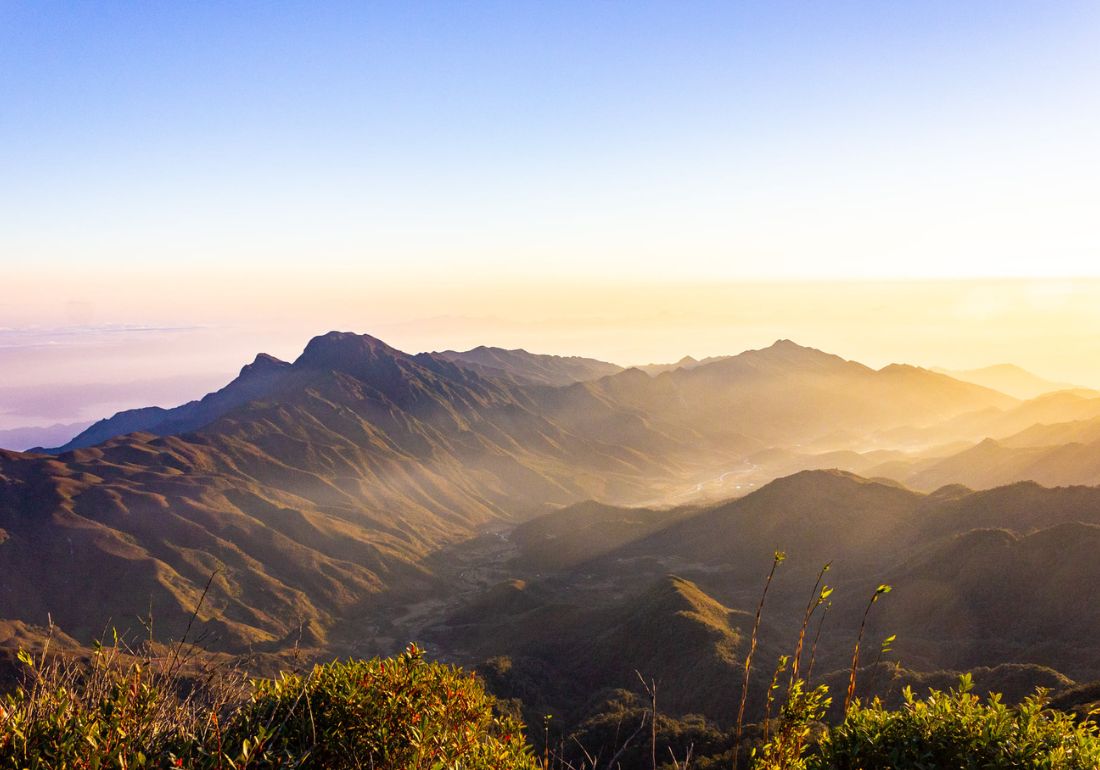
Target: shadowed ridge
[950, 492]
[1022, 507]
[523, 367]
[814, 516]
[678, 635]
[1001, 597]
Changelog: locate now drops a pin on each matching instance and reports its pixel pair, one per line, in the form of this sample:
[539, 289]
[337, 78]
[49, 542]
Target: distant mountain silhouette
[1010, 379]
[994, 463]
[687, 362]
[19, 439]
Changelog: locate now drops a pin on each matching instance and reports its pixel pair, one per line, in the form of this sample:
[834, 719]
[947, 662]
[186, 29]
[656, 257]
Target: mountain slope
[993, 596]
[670, 631]
[357, 462]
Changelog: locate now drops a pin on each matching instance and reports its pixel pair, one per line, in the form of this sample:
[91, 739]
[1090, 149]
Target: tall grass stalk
[880, 591]
[777, 559]
[817, 638]
[780, 667]
[817, 597]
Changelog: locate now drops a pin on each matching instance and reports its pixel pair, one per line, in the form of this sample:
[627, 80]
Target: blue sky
[706, 140]
[562, 176]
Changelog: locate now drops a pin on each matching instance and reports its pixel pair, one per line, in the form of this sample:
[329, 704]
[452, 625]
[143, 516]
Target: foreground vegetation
[407, 713]
[952, 730]
[401, 713]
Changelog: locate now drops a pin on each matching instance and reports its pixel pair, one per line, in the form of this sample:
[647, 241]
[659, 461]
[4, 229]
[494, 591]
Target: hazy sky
[182, 184]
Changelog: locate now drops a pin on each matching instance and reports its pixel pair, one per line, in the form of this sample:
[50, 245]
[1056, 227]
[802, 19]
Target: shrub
[122, 711]
[401, 713]
[798, 718]
[955, 730]
[116, 711]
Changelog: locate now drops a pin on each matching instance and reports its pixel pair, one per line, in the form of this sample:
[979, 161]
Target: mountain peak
[830, 482]
[341, 350]
[263, 364]
[789, 347]
[784, 352]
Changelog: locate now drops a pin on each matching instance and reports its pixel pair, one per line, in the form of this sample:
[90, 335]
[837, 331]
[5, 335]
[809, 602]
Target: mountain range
[498, 504]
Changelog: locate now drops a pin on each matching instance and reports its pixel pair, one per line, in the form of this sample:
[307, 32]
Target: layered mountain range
[360, 496]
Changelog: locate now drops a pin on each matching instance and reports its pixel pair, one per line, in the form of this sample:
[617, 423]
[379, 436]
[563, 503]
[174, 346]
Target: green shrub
[401, 713]
[798, 718]
[955, 730]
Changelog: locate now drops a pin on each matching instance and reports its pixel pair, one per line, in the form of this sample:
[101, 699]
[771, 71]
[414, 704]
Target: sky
[185, 184]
